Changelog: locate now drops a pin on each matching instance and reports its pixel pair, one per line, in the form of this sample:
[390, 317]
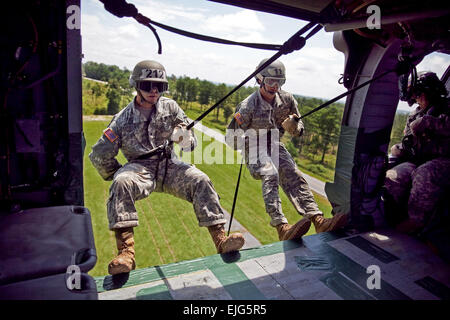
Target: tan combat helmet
[275, 70]
[149, 71]
[427, 82]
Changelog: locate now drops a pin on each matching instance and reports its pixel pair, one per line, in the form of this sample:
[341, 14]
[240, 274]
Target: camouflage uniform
[422, 179]
[130, 132]
[256, 113]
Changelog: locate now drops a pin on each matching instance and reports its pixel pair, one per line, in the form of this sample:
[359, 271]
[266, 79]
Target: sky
[312, 71]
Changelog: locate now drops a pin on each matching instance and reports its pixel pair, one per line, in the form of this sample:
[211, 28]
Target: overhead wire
[121, 8]
[148, 22]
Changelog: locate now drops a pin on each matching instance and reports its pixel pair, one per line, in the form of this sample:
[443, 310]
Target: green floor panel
[236, 283]
[160, 292]
[150, 274]
[146, 275]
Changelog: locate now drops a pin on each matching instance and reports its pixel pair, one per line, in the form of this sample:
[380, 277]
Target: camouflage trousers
[138, 179]
[291, 180]
[421, 186]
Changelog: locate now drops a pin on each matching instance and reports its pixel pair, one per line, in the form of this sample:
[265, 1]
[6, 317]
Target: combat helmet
[149, 73]
[275, 70]
[426, 82]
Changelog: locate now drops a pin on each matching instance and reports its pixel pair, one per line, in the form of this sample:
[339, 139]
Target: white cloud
[312, 71]
[227, 23]
[322, 54]
[108, 44]
[436, 62]
[243, 25]
[164, 12]
[128, 30]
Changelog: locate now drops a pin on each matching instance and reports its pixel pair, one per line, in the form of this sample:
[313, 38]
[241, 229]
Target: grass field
[168, 229]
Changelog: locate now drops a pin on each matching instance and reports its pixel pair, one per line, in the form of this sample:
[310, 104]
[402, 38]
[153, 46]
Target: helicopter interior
[41, 131]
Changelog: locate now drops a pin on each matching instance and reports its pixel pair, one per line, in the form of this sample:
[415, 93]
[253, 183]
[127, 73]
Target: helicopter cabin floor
[382, 265]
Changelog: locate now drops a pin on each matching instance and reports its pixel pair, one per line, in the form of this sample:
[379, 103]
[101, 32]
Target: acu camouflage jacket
[130, 132]
[433, 141]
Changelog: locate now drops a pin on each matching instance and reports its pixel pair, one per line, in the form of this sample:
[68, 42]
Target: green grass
[90, 101]
[308, 166]
[168, 230]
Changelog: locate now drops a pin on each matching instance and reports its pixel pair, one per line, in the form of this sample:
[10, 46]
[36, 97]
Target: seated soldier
[422, 177]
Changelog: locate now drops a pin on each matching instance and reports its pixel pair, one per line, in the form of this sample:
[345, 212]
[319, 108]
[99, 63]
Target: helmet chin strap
[263, 86]
[145, 100]
[141, 96]
[267, 91]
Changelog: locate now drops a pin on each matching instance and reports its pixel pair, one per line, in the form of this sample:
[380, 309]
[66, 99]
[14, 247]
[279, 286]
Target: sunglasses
[270, 81]
[148, 86]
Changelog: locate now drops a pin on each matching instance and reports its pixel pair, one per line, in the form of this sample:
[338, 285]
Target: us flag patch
[110, 135]
[238, 118]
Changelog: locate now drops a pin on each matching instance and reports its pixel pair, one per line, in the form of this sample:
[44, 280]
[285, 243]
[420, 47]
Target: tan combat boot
[288, 232]
[223, 243]
[124, 262]
[322, 224]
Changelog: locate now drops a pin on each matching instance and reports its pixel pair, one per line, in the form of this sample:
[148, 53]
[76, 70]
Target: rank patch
[238, 118]
[110, 135]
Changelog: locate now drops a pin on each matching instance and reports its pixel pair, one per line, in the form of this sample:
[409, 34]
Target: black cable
[236, 190]
[146, 22]
[296, 42]
[201, 37]
[121, 8]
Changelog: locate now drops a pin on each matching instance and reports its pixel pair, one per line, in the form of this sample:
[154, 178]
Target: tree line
[117, 90]
[322, 128]
[186, 90]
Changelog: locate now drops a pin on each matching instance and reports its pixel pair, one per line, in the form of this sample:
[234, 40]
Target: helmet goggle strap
[272, 81]
[148, 86]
